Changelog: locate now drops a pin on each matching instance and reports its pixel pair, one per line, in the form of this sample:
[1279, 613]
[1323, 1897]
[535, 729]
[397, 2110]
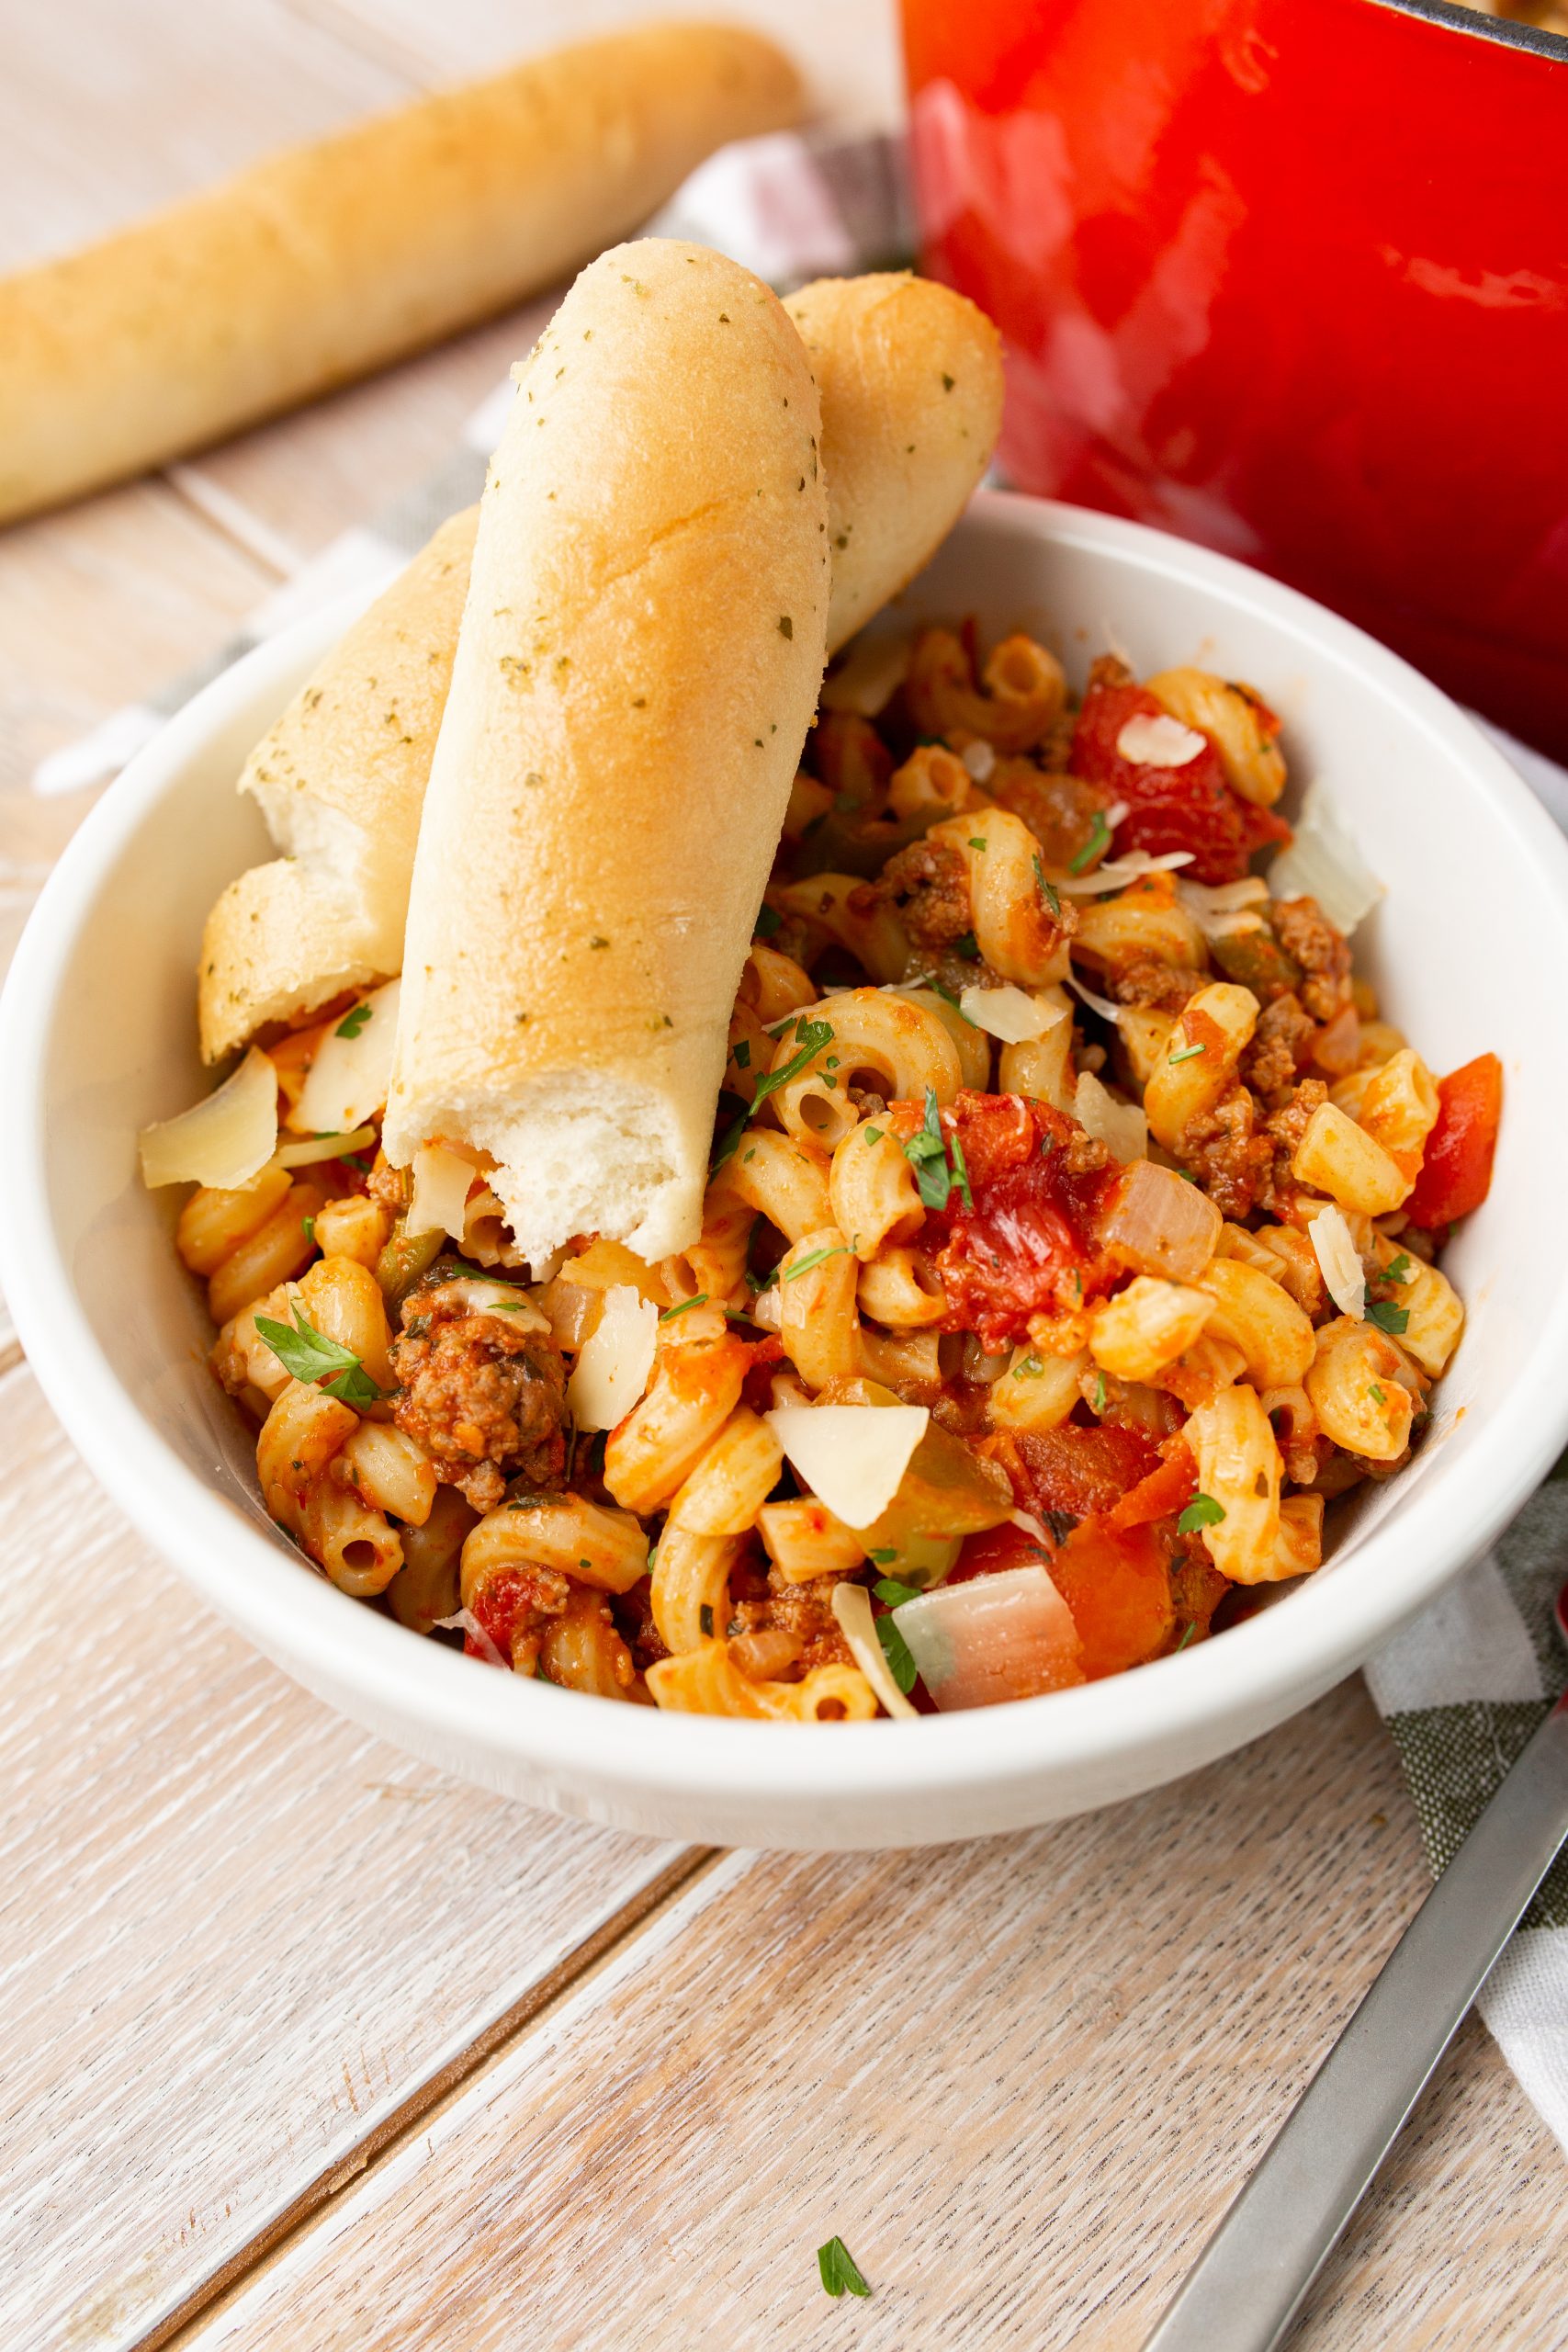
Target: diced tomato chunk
[1163, 1492]
[1187, 807]
[1028, 1244]
[1117, 1586]
[1456, 1168]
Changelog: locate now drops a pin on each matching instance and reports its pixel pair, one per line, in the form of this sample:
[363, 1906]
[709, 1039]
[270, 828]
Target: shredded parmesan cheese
[1100, 1004]
[852, 1457]
[1225, 910]
[1008, 1013]
[1163, 742]
[1118, 872]
[1323, 863]
[612, 1366]
[857, 1622]
[979, 759]
[441, 1182]
[464, 1621]
[1339, 1262]
[224, 1139]
[308, 1149]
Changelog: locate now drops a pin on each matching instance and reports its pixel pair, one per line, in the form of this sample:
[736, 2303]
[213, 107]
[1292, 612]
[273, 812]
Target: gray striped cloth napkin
[1463, 1686]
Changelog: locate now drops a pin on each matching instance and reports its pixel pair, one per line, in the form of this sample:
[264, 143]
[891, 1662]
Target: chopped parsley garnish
[768, 920]
[883, 1556]
[875, 1135]
[810, 1036]
[760, 1283]
[1187, 1053]
[1387, 1317]
[815, 1258]
[1376, 1394]
[1187, 1632]
[976, 841]
[741, 1056]
[684, 1306]
[929, 980]
[895, 1594]
[308, 1228]
[1029, 1369]
[1201, 1512]
[1047, 888]
[1097, 841]
[927, 1153]
[308, 1355]
[1398, 1269]
[354, 1022]
[1099, 1392]
[837, 2267]
[969, 946]
[896, 1650]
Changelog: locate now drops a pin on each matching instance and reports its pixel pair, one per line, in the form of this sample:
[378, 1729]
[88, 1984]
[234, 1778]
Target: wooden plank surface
[1019, 2080]
[238, 1932]
[246, 1946]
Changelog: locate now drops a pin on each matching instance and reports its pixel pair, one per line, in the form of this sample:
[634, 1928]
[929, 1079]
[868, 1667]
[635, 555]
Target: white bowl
[1470, 947]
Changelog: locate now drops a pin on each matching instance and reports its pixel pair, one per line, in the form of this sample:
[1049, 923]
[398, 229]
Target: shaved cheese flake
[1225, 910]
[224, 1139]
[1100, 1004]
[1341, 1262]
[348, 1079]
[441, 1181]
[994, 1637]
[1008, 1013]
[1323, 863]
[1163, 742]
[612, 1366]
[1120, 1126]
[869, 675]
[1118, 872]
[311, 1148]
[857, 1622]
[979, 758]
[852, 1457]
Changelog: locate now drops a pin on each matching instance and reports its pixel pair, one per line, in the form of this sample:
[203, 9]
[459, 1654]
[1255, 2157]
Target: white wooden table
[302, 2045]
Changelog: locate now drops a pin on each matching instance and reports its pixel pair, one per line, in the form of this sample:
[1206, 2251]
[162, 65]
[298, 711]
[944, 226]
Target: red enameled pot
[1288, 277]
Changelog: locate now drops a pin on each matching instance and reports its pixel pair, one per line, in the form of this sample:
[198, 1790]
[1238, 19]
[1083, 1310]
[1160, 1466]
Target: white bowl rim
[1324, 1632]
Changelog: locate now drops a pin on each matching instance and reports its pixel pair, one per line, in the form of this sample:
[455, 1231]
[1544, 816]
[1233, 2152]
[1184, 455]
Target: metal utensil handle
[1247, 2284]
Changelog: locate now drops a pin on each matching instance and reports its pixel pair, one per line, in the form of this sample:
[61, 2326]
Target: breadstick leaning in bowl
[326, 261]
[638, 662]
[341, 777]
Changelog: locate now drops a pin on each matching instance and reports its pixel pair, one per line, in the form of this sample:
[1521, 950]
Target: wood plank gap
[568, 1977]
[234, 519]
[374, 42]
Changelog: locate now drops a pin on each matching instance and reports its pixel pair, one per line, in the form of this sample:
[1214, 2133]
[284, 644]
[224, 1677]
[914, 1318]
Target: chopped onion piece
[852, 1457]
[442, 1179]
[224, 1139]
[1008, 1013]
[1339, 1262]
[1147, 741]
[1100, 1004]
[857, 1622]
[1120, 1126]
[612, 1366]
[1323, 863]
[869, 675]
[979, 758]
[1158, 1224]
[1007, 1636]
[1118, 872]
[463, 1621]
[305, 1150]
[348, 1079]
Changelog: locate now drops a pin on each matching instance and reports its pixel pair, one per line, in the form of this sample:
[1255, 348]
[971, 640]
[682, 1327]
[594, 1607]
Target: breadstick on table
[339, 776]
[324, 262]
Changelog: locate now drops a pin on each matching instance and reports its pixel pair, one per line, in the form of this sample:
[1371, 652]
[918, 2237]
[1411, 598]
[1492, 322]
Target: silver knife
[1248, 2283]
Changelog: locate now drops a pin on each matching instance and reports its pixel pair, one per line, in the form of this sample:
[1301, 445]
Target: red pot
[1288, 277]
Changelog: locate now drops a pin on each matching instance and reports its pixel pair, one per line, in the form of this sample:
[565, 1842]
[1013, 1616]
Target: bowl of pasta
[1128, 1281]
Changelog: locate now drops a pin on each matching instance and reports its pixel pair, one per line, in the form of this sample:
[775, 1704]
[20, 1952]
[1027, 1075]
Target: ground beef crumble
[804, 1613]
[1279, 1048]
[929, 884]
[1167, 988]
[1231, 1160]
[483, 1392]
[1305, 932]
